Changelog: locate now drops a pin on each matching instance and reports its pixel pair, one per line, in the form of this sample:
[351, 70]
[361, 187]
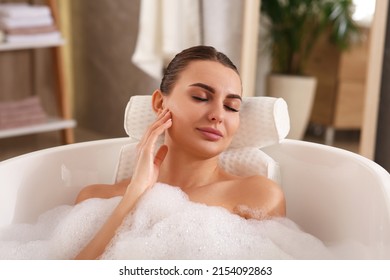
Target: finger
[152, 139]
[161, 115]
[161, 119]
[160, 155]
[149, 142]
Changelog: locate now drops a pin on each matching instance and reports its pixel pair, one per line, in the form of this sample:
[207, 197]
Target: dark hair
[182, 59]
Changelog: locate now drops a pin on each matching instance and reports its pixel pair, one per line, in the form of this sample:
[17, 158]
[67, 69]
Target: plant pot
[298, 92]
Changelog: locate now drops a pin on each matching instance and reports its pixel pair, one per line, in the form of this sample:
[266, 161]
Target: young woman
[197, 109]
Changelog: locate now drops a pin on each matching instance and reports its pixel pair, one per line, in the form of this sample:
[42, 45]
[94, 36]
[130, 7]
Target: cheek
[233, 125]
[176, 110]
[179, 119]
[182, 113]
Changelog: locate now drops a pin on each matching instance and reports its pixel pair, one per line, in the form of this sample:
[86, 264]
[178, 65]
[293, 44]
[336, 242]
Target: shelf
[50, 125]
[53, 41]
[30, 45]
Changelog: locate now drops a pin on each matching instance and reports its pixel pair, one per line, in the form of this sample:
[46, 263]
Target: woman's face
[204, 105]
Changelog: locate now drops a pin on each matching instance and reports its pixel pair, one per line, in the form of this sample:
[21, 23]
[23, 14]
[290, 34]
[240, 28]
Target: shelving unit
[51, 125]
[64, 122]
[30, 45]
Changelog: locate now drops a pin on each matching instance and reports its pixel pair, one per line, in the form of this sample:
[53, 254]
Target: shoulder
[102, 191]
[260, 198]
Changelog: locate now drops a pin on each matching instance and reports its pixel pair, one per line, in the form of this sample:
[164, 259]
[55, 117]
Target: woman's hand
[145, 175]
[148, 165]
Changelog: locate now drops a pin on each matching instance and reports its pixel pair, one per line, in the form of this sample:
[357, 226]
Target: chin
[209, 149]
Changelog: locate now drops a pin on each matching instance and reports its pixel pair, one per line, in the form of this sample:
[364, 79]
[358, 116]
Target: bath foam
[58, 234]
[167, 225]
[164, 225]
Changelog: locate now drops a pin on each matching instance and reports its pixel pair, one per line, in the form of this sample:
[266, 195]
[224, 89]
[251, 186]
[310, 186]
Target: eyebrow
[212, 90]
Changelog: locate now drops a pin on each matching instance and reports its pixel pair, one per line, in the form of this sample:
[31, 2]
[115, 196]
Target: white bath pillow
[126, 162]
[248, 162]
[264, 121]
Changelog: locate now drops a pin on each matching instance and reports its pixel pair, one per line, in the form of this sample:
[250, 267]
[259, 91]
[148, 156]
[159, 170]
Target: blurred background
[68, 80]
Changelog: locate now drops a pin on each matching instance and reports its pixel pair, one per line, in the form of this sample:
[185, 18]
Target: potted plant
[294, 27]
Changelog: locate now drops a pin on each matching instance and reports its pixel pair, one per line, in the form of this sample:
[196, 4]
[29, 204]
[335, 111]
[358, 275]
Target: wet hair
[182, 59]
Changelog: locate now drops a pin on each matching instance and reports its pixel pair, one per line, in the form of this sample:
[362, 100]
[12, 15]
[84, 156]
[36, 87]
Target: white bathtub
[331, 193]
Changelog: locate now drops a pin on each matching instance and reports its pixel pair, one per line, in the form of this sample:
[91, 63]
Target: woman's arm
[145, 176]
[102, 191]
[97, 245]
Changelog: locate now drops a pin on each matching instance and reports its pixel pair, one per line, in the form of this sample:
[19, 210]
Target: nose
[216, 114]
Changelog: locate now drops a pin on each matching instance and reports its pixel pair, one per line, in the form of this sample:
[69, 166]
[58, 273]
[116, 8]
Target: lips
[210, 133]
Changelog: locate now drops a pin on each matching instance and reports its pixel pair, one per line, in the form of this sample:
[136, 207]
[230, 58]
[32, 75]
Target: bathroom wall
[104, 37]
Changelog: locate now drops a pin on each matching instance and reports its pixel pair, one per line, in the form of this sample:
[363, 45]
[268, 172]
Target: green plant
[294, 27]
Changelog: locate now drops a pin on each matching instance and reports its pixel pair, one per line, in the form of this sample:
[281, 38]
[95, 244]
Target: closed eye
[199, 98]
[230, 108]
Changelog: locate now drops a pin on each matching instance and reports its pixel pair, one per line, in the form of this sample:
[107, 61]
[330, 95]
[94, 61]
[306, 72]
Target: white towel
[165, 28]
[21, 113]
[28, 38]
[9, 23]
[32, 30]
[23, 10]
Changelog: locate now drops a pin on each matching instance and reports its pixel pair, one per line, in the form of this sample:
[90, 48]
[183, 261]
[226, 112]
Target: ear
[158, 101]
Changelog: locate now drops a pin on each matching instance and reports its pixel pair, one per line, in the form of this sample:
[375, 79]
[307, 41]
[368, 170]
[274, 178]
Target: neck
[185, 171]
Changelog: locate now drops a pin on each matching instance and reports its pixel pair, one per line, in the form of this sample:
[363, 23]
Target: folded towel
[32, 30]
[21, 113]
[26, 121]
[9, 23]
[23, 10]
[28, 38]
[30, 102]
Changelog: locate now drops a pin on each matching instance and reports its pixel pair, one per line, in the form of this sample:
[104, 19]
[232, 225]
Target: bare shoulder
[260, 197]
[102, 191]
